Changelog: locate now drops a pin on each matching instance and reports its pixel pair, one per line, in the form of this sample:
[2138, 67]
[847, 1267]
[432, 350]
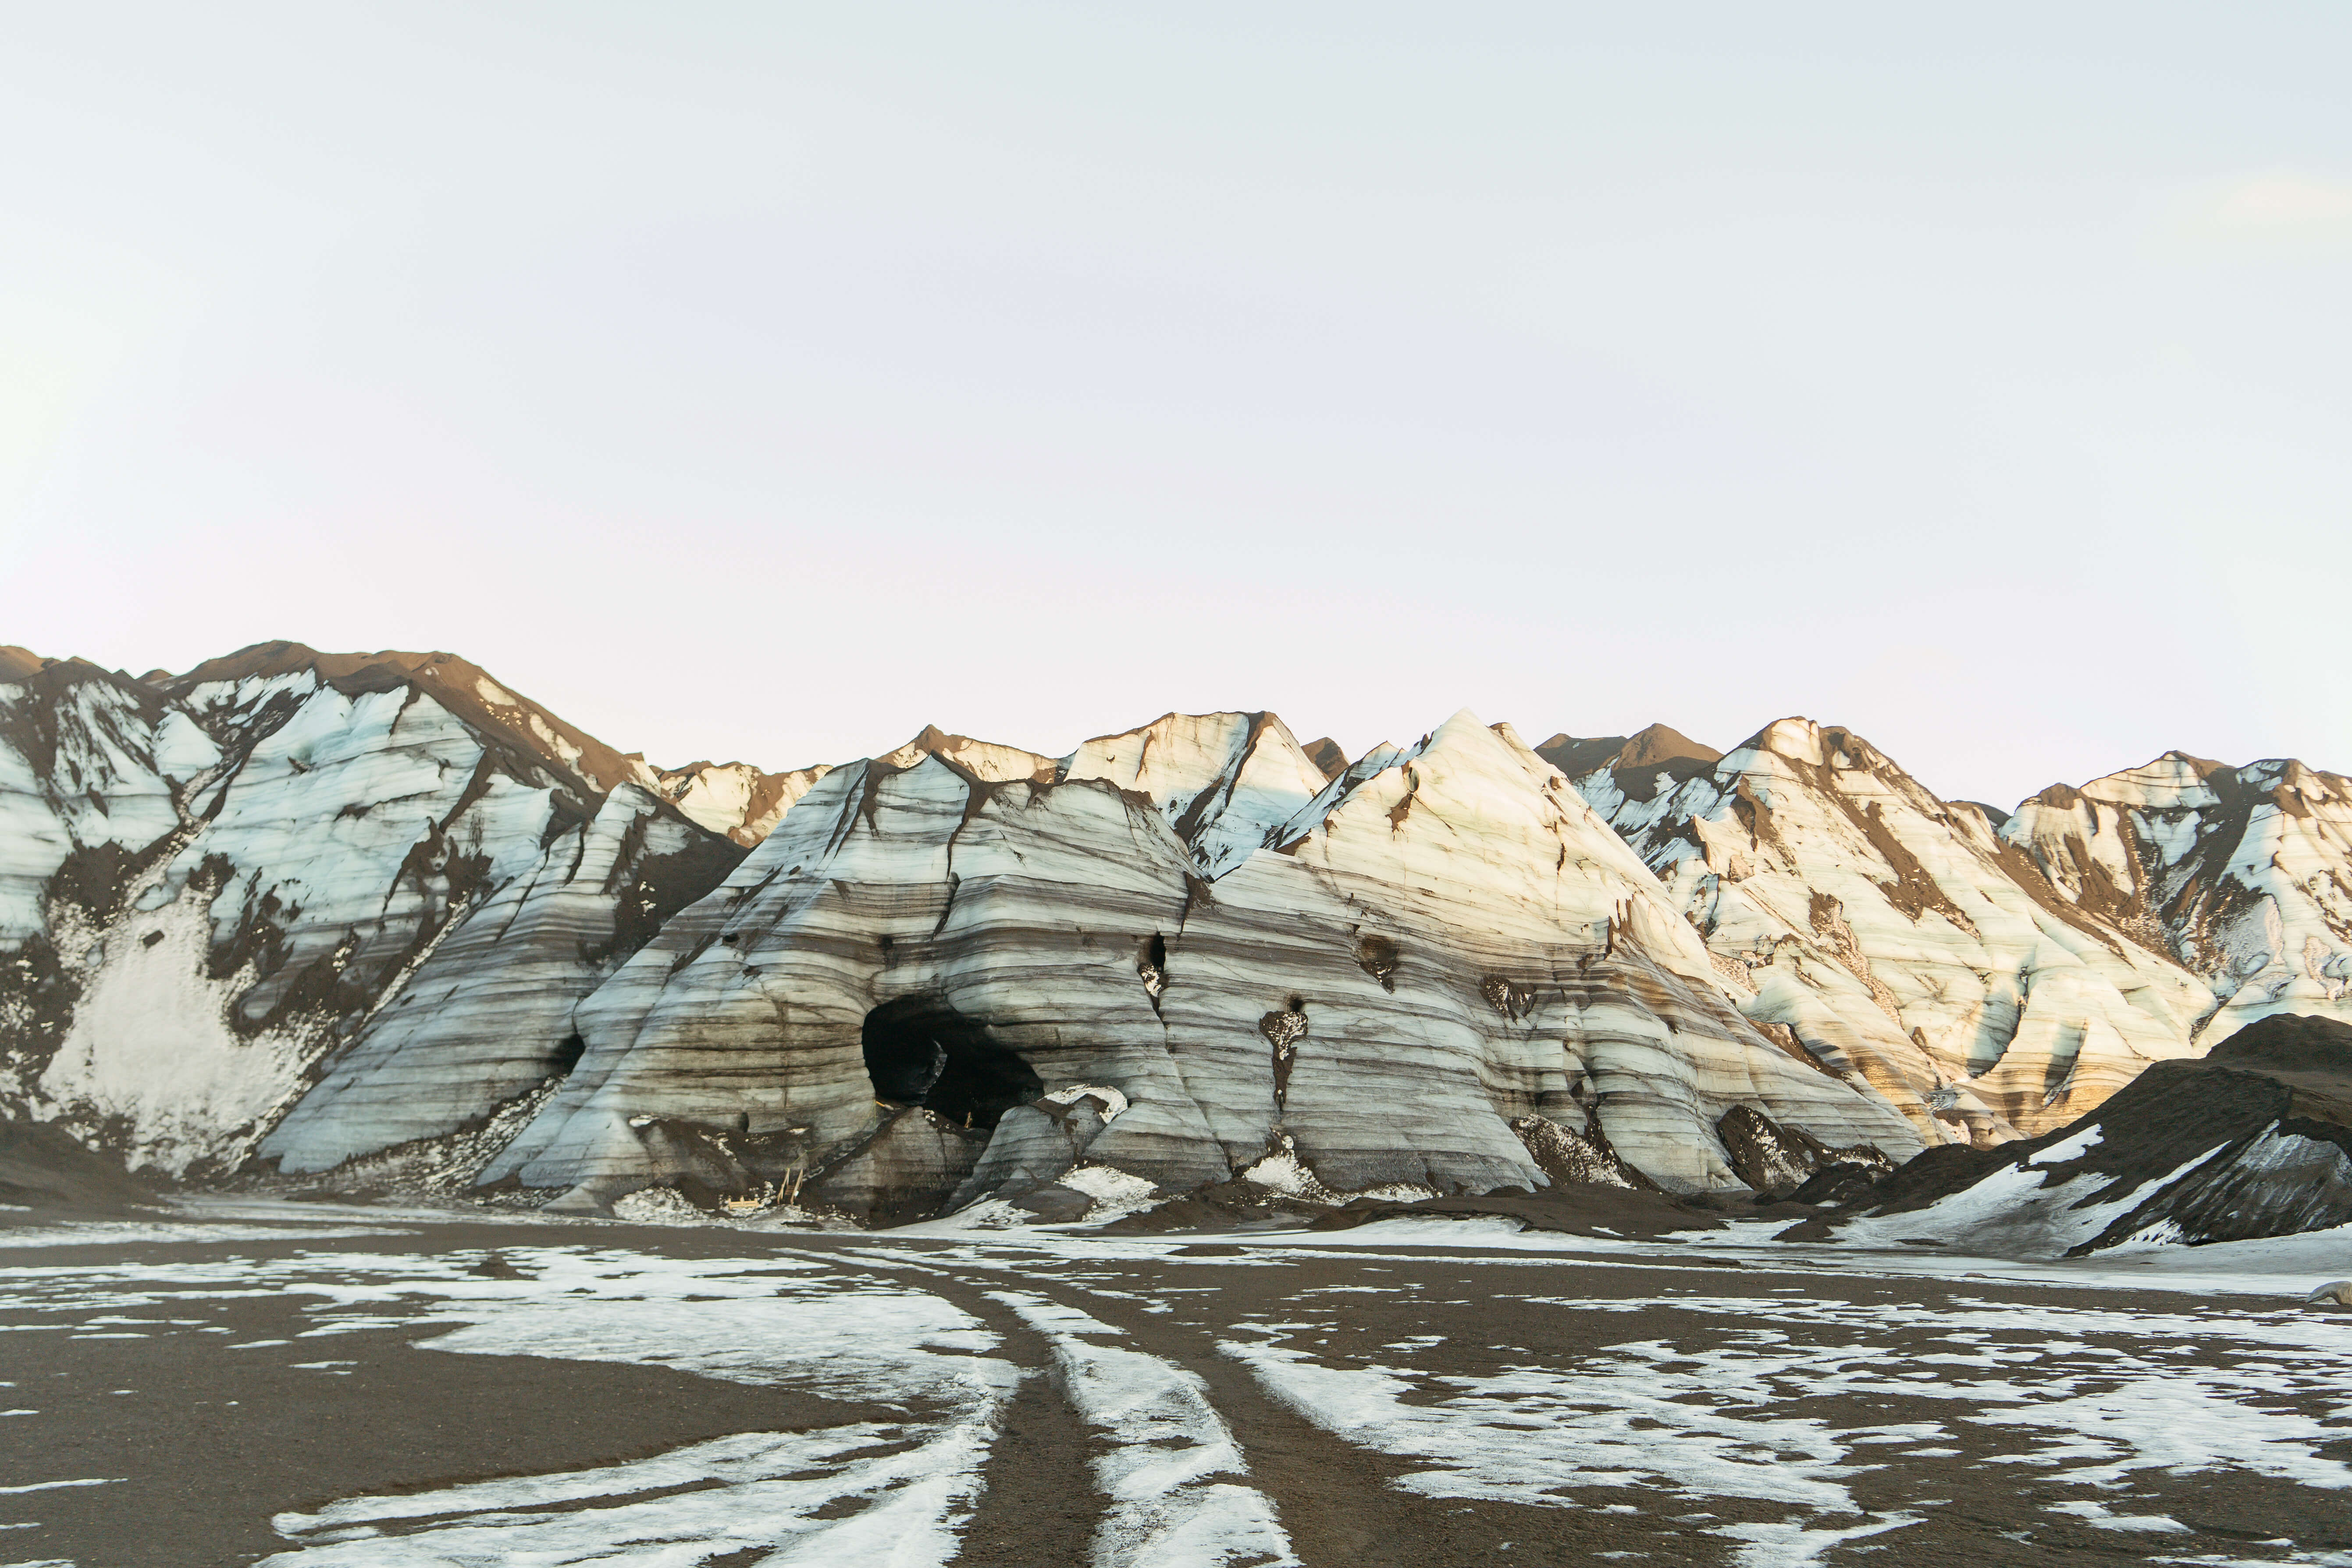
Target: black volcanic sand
[212, 1439]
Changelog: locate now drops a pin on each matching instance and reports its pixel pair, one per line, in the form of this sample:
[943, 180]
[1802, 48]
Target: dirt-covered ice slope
[1891, 933]
[2243, 874]
[955, 973]
[386, 868]
[375, 913]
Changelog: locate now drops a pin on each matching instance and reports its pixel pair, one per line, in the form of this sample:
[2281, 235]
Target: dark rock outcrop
[1779, 1161]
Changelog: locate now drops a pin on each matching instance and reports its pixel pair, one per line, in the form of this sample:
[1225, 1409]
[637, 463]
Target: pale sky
[765, 382]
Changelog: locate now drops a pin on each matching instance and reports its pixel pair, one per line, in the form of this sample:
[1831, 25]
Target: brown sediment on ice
[1808, 852]
[464, 687]
[1636, 760]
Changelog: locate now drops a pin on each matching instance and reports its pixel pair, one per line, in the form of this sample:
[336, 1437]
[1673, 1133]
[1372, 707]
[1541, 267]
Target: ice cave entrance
[921, 1051]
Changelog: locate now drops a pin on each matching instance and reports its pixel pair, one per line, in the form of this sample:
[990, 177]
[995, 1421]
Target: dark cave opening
[567, 1054]
[921, 1051]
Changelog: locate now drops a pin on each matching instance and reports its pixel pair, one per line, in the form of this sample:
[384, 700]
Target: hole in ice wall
[1152, 963]
[1283, 1031]
[1378, 957]
[567, 1054]
[921, 1051]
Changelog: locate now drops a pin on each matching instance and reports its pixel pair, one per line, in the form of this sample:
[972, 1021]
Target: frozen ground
[378, 1388]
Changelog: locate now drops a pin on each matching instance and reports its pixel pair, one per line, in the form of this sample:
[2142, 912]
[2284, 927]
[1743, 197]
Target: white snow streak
[1167, 1510]
[896, 1493]
[751, 1492]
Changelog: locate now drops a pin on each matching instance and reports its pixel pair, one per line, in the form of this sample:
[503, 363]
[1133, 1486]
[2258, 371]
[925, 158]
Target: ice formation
[387, 871]
[1439, 942]
[1896, 934]
[378, 912]
[2239, 873]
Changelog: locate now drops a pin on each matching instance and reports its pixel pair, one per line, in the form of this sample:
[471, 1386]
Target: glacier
[343, 916]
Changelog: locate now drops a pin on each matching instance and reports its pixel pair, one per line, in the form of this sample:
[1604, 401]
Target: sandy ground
[317, 1387]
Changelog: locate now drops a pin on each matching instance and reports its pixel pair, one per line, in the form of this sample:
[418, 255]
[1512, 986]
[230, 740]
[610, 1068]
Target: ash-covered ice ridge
[381, 920]
[876, 1008]
[326, 902]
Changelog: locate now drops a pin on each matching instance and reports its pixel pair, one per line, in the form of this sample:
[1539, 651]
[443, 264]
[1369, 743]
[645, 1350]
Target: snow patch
[2092, 1511]
[2098, 1396]
[2072, 1148]
[896, 1492]
[1284, 1173]
[1168, 1509]
[1116, 1194]
[846, 1494]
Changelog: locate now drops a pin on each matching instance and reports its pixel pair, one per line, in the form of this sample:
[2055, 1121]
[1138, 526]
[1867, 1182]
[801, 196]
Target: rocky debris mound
[46, 1173]
[1326, 756]
[1570, 1157]
[1845, 1181]
[1779, 1162]
[1654, 751]
[2253, 1141]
